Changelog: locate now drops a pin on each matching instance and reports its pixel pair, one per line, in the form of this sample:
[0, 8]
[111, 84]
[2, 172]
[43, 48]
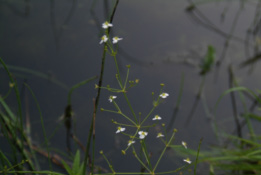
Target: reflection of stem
[204, 21]
[195, 104]
[58, 33]
[16, 11]
[176, 108]
[229, 37]
[247, 119]
[233, 101]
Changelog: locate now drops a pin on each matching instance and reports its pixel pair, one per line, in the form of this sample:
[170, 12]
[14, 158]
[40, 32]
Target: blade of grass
[42, 123]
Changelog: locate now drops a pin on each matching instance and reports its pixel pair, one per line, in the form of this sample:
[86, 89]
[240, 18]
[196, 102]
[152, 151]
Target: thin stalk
[127, 77]
[118, 76]
[176, 108]
[93, 138]
[195, 167]
[77, 86]
[162, 153]
[117, 107]
[98, 94]
[7, 94]
[146, 154]
[249, 124]
[174, 171]
[136, 156]
[110, 166]
[33, 172]
[17, 97]
[195, 104]
[37, 74]
[233, 100]
[123, 173]
[128, 102]
[42, 123]
[148, 115]
[128, 119]
[124, 93]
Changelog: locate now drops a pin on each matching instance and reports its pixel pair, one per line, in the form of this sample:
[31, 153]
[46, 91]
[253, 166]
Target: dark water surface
[163, 40]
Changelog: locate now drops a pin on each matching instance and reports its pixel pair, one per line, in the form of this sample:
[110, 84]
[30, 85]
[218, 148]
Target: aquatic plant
[138, 122]
[11, 123]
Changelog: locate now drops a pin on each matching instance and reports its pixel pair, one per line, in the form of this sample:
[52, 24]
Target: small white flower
[157, 117]
[116, 39]
[164, 95]
[160, 135]
[120, 129]
[187, 160]
[142, 134]
[111, 98]
[106, 25]
[130, 142]
[184, 144]
[104, 39]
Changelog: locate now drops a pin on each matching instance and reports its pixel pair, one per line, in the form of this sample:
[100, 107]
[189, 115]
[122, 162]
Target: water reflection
[16, 9]
[170, 49]
[58, 29]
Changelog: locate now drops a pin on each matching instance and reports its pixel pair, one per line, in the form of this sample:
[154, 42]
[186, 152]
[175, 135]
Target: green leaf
[66, 166]
[253, 116]
[76, 162]
[208, 60]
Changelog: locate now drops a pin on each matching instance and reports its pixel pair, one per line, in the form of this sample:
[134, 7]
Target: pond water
[163, 41]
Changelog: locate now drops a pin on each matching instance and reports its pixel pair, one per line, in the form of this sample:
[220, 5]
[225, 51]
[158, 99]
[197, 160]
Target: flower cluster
[140, 133]
[105, 38]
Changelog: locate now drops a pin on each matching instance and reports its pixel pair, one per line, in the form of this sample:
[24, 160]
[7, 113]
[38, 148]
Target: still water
[163, 41]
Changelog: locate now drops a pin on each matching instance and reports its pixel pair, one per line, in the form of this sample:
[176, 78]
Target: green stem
[162, 153]
[110, 166]
[128, 102]
[145, 152]
[98, 95]
[135, 154]
[148, 115]
[33, 172]
[195, 168]
[127, 77]
[124, 93]
[128, 118]
[42, 123]
[77, 86]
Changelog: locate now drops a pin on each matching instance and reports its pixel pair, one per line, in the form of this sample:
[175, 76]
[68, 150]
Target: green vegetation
[236, 153]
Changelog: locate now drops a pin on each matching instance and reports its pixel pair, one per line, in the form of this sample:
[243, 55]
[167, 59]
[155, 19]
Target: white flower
[160, 135]
[164, 95]
[157, 117]
[111, 98]
[187, 160]
[142, 134]
[120, 129]
[106, 25]
[104, 39]
[130, 142]
[184, 144]
[116, 39]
